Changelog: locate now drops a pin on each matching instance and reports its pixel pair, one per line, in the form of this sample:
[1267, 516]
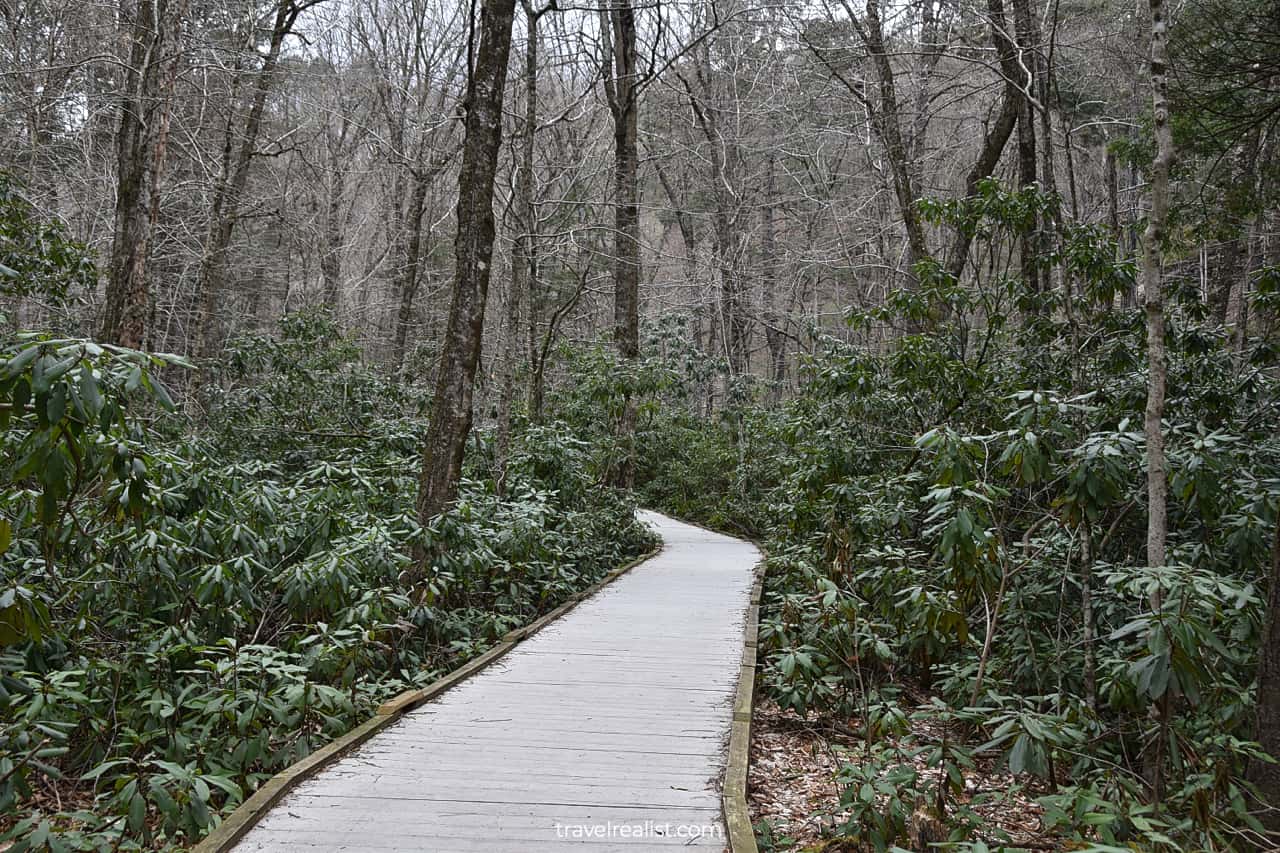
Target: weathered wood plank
[613, 718]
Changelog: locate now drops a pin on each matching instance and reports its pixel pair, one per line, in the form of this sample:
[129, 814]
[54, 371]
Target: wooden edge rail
[737, 819]
[235, 825]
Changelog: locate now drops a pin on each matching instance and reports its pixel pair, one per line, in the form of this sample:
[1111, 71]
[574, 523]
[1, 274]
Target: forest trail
[606, 730]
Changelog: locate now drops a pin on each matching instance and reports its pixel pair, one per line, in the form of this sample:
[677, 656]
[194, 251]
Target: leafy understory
[186, 611]
[956, 528]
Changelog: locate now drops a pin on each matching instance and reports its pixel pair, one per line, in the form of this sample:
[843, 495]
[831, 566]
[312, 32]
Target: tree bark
[1049, 234]
[1157, 369]
[992, 147]
[1267, 776]
[233, 178]
[774, 332]
[331, 258]
[1153, 291]
[888, 120]
[1237, 302]
[996, 137]
[141, 141]
[622, 90]
[726, 235]
[1113, 204]
[689, 237]
[520, 255]
[541, 349]
[408, 270]
[446, 440]
[1026, 63]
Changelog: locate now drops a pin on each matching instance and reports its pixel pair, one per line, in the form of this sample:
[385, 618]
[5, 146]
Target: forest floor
[794, 785]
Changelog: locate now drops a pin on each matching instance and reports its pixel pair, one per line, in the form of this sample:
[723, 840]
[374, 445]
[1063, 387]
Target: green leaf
[162, 395]
[57, 406]
[199, 811]
[103, 768]
[1018, 755]
[1033, 727]
[19, 362]
[137, 812]
[163, 800]
[90, 394]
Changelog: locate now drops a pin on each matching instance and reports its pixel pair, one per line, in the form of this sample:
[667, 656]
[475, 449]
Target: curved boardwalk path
[604, 731]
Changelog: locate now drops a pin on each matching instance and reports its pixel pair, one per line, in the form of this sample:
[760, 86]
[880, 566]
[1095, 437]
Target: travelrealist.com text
[638, 829]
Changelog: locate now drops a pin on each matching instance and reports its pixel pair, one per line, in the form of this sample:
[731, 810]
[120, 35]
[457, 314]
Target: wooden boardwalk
[605, 731]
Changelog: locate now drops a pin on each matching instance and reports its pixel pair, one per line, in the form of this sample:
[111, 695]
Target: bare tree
[524, 258]
[141, 140]
[622, 80]
[446, 440]
[233, 173]
[1157, 366]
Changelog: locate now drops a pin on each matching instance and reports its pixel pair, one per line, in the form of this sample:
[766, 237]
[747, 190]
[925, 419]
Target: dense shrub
[186, 610]
[964, 511]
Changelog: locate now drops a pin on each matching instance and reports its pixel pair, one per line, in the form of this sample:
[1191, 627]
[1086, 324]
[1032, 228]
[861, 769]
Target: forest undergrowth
[955, 523]
[189, 604]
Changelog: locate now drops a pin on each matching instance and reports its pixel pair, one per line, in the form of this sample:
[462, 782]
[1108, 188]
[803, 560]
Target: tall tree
[141, 140]
[774, 328]
[1157, 367]
[1027, 61]
[524, 254]
[446, 440]
[728, 238]
[1264, 774]
[887, 119]
[417, 60]
[233, 175]
[622, 89]
[885, 116]
[996, 136]
[1153, 291]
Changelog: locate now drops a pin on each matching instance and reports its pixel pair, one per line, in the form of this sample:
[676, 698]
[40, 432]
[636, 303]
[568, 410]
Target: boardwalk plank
[605, 731]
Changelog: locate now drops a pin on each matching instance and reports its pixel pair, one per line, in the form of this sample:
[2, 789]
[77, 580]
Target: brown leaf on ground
[793, 783]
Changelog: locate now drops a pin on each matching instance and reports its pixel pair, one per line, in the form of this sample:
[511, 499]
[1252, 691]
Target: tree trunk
[622, 89]
[1157, 369]
[1086, 617]
[229, 190]
[992, 147]
[727, 236]
[1236, 317]
[689, 237]
[446, 440]
[1050, 231]
[1267, 776]
[140, 151]
[1153, 292]
[997, 136]
[888, 122]
[331, 258]
[536, 301]
[1026, 62]
[507, 373]
[1113, 209]
[1129, 246]
[520, 255]
[541, 351]
[774, 332]
[408, 270]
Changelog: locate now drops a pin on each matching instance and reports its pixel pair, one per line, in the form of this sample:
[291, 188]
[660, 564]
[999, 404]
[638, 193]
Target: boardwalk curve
[605, 731]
